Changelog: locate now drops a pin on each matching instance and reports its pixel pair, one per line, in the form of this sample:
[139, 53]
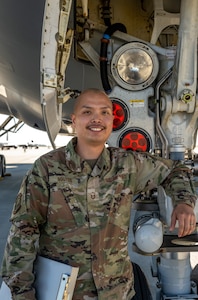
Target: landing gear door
[55, 51]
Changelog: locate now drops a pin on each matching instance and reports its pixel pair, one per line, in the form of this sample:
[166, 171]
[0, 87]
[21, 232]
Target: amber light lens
[120, 115]
[135, 140]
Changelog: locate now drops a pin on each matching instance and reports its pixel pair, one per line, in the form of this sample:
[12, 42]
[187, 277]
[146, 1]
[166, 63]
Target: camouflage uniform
[70, 212]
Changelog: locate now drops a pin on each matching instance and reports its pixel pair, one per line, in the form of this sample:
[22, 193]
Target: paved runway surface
[18, 162]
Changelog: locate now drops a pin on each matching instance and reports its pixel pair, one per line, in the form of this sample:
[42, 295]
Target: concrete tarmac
[18, 162]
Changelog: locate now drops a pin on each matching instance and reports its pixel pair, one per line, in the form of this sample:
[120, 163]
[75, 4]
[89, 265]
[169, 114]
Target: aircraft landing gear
[2, 166]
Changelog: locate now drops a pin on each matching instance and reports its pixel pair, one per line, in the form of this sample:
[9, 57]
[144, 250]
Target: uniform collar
[75, 163]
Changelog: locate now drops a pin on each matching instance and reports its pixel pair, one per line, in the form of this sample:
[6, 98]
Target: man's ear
[73, 119]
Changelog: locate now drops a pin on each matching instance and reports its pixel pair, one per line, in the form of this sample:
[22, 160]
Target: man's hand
[185, 216]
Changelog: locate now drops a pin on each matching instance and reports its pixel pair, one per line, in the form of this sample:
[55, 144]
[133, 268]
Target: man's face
[93, 118]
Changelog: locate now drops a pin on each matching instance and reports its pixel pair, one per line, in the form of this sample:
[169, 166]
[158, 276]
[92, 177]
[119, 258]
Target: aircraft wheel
[140, 284]
[2, 166]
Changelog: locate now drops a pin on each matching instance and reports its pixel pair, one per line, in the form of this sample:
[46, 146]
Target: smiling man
[93, 122]
[74, 206]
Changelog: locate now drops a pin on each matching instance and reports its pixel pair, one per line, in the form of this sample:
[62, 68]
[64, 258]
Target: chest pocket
[67, 201]
[116, 193]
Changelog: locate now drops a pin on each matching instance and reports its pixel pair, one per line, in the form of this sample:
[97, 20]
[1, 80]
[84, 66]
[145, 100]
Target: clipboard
[53, 280]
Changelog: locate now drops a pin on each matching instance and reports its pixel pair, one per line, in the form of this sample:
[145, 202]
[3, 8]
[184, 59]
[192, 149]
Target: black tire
[140, 284]
[2, 165]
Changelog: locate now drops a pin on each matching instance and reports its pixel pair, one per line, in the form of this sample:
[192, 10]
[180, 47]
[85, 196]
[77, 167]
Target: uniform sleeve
[29, 212]
[175, 177]
[179, 185]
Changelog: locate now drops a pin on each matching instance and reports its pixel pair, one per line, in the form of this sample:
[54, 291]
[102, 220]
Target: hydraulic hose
[103, 53]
